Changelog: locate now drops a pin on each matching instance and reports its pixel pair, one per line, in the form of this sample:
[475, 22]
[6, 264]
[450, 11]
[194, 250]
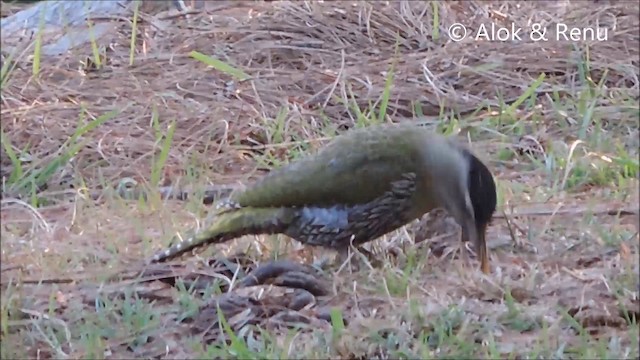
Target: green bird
[364, 184]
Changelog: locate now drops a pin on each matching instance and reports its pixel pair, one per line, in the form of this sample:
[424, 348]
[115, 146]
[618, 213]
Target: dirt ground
[563, 149]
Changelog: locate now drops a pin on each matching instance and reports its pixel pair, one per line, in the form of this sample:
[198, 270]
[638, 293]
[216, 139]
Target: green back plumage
[354, 168]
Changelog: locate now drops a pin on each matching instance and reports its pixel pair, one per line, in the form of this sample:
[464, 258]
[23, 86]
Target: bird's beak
[481, 248]
[476, 235]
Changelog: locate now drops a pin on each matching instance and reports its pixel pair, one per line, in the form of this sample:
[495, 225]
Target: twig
[12, 267]
[170, 193]
[603, 210]
[210, 194]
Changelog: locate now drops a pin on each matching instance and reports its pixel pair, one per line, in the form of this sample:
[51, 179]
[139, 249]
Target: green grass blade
[94, 124]
[530, 91]
[16, 173]
[95, 50]
[156, 171]
[220, 65]
[337, 322]
[238, 347]
[388, 84]
[134, 32]
[38, 177]
[435, 32]
[6, 70]
[37, 51]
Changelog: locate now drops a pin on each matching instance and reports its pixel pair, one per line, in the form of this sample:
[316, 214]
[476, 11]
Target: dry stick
[512, 233]
[125, 278]
[210, 193]
[12, 267]
[167, 193]
[603, 210]
[65, 280]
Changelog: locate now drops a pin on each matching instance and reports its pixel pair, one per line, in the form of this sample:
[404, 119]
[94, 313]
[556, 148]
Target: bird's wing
[343, 173]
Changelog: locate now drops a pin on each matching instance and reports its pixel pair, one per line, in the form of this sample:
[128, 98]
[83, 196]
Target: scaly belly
[339, 226]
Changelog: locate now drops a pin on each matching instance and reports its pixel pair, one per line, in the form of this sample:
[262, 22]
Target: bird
[363, 184]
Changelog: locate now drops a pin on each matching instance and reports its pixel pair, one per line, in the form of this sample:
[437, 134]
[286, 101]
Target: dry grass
[564, 152]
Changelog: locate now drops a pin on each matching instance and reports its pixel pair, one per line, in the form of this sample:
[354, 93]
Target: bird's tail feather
[230, 225]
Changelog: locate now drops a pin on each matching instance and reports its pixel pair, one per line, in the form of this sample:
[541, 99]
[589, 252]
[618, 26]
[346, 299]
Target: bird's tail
[230, 225]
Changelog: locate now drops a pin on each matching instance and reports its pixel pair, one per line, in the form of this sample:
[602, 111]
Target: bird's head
[482, 194]
[464, 186]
